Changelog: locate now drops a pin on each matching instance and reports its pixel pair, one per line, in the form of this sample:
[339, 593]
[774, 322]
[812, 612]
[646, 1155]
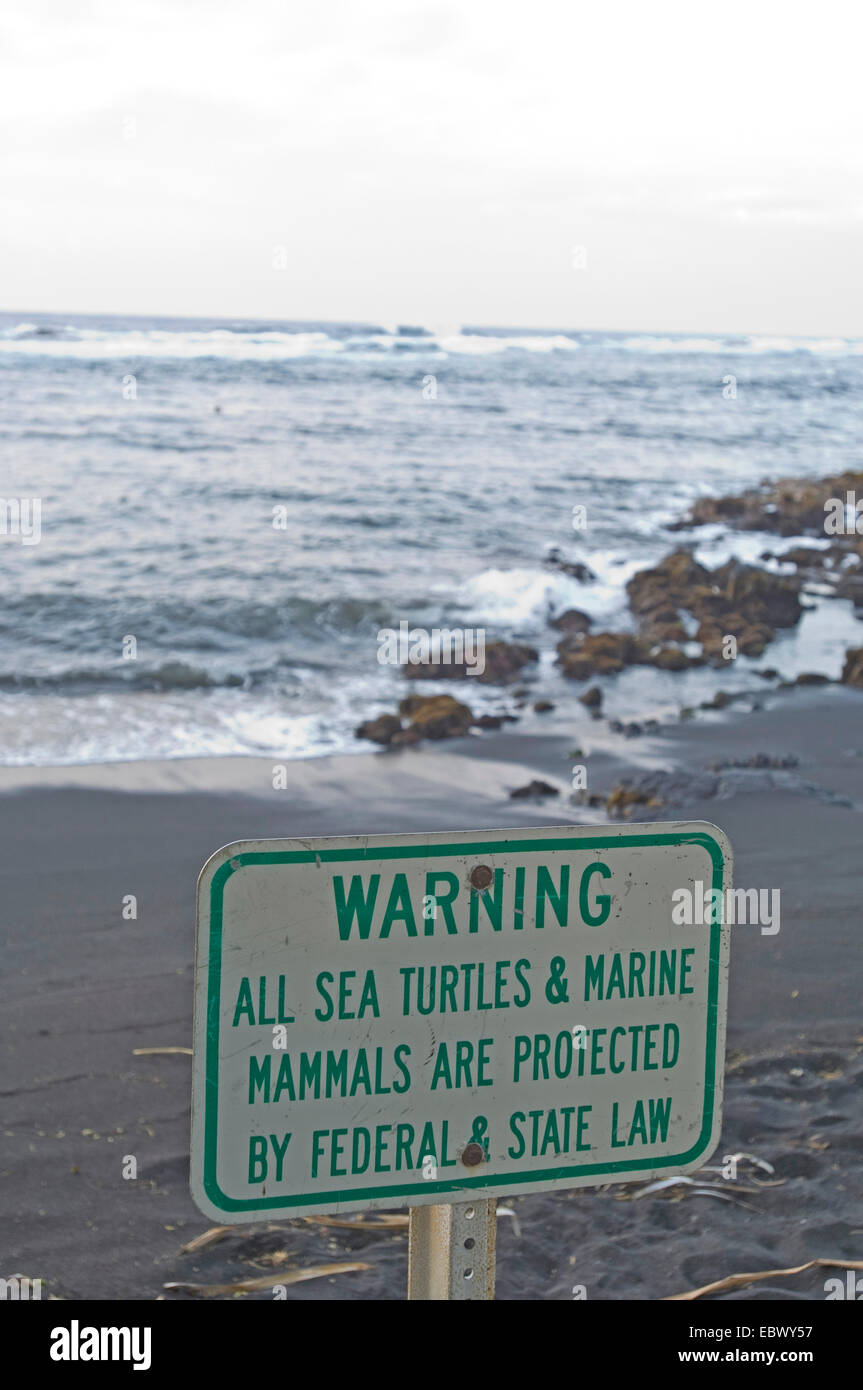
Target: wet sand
[83, 988]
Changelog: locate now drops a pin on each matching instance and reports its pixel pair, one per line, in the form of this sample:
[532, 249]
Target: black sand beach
[83, 989]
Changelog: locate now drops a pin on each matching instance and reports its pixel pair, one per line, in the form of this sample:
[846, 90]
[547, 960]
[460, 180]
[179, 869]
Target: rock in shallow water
[573, 620]
[852, 671]
[607, 653]
[503, 661]
[428, 716]
[535, 788]
[380, 730]
[436, 716]
[734, 600]
[789, 507]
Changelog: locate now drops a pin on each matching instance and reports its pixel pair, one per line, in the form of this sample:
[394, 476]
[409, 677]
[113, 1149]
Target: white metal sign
[408, 1019]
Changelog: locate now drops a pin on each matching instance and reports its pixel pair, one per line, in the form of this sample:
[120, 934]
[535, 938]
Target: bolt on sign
[401, 1020]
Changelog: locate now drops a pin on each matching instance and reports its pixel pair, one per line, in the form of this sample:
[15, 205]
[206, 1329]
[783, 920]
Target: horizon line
[461, 325]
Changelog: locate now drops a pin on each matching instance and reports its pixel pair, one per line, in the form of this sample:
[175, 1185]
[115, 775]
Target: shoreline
[505, 756]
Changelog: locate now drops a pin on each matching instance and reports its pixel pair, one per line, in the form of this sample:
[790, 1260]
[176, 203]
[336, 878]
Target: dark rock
[666, 629]
[621, 802]
[576, 569]
[804, 557]
[812, 678]
[177, 675]
[734, 600]
[850, 585]
[655, 790]
[592, 697]
[602, 654]
[573, 620]
[852, 671]
[761, 597]
[405, 738]
[381, 730]
[789, 507]
[751, 638]
[670, 659]
[756, 760]
[535, 788]
[607, 653]
[655, 595]
[503, 660]
[436, 716]
[543, 706]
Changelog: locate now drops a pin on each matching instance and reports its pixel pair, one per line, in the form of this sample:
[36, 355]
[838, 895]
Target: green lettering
[603, 900]
[244, 1003]
[355, 904]
[399, 907]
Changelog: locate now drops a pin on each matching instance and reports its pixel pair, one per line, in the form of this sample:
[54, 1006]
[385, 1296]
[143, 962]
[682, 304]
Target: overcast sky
[414, 162]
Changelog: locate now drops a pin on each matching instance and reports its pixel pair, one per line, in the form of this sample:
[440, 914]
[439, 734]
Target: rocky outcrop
[789, 507]
[576, 569]
[607, 653]
[436, 716]
[536, 788]
[599, 654]
[737, 600]
[380, 730]
[849, 584]
[762, 597]
[573, 620]
[592, 697]
[657, 595]
[623, 799]
[799, 507]
[734, 600]
[427, 716]
[852, 671]
[751, 638]
[503, 662]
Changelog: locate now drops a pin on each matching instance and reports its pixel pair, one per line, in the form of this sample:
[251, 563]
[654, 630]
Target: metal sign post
[451, 1252]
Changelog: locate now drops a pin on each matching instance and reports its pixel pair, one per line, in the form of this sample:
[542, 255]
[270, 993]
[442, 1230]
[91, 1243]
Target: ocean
[252, 502]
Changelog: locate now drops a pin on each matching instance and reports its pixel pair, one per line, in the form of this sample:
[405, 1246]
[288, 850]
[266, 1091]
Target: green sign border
[547, 1175]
